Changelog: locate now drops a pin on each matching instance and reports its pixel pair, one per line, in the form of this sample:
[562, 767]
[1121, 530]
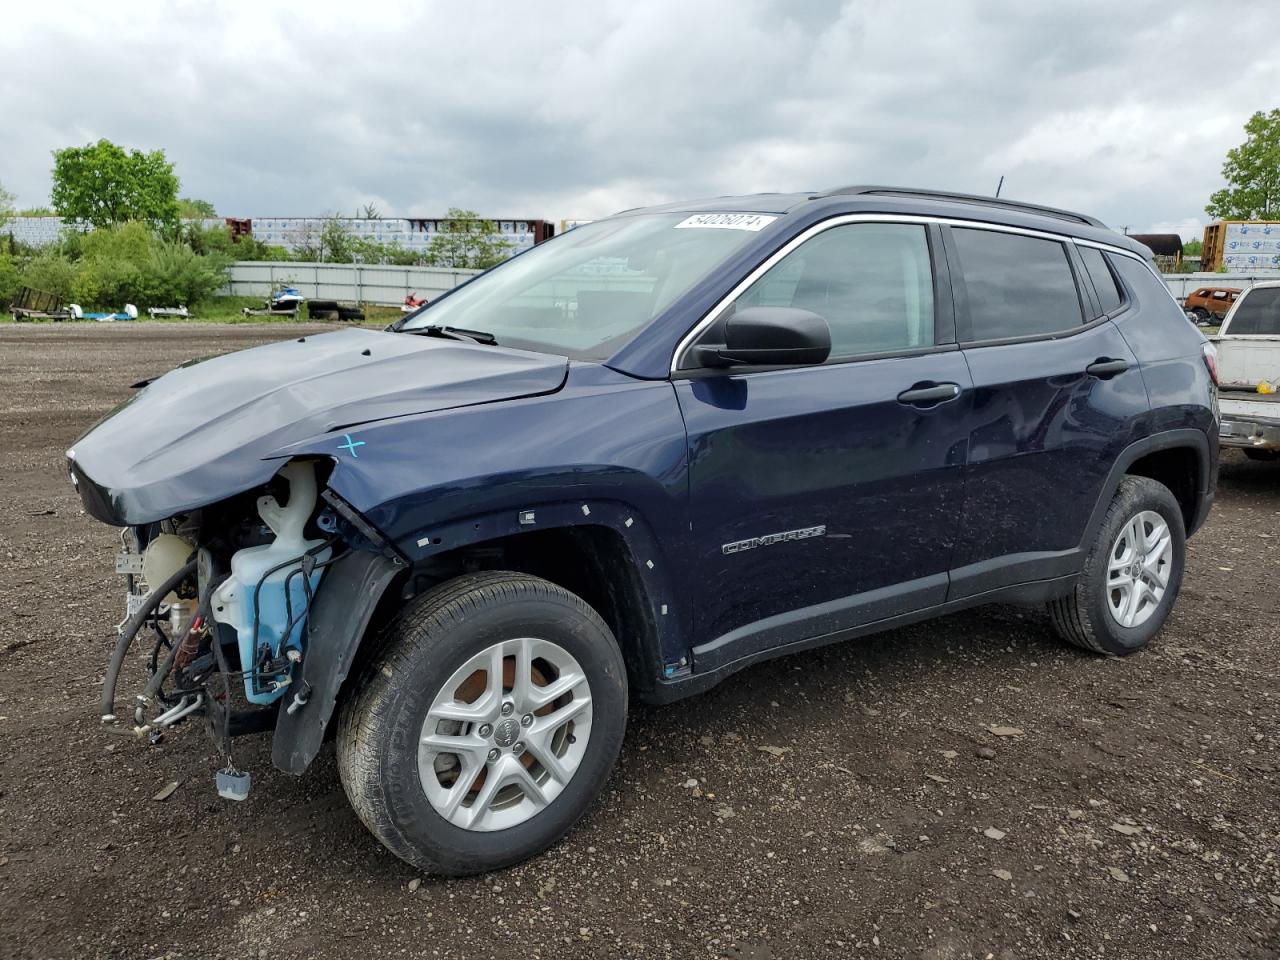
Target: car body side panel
[1154, 326]
[1171, 353]
[605, 450]
[1044, 437]
[830, 447]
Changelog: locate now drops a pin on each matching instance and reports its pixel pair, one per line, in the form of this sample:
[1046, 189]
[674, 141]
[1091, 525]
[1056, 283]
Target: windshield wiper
[455, 333]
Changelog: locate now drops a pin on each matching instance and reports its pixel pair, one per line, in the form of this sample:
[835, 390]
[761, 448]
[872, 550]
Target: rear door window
[1104, 283]
[1258, 314]
[1017, 286]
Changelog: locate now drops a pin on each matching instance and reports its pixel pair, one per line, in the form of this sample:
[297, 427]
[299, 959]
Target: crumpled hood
[206, 430]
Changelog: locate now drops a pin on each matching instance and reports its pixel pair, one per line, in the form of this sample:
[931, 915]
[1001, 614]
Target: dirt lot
[1135, 815]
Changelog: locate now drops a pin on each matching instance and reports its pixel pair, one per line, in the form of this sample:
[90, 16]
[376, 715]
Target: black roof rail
[964, 198]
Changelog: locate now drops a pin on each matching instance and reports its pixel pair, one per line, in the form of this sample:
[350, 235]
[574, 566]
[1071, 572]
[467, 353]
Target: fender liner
[344, 605]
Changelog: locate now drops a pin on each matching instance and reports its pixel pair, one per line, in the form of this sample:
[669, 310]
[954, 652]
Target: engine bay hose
[131, 628]
[201, 615]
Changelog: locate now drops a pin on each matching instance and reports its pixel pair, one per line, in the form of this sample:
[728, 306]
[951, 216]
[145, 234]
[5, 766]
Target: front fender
[355, 585]
[606, 450]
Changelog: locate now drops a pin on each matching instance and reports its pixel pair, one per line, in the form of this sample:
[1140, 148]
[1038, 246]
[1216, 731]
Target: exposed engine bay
[223, 594]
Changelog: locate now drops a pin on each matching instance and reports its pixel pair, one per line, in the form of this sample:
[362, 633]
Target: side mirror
[769, 336]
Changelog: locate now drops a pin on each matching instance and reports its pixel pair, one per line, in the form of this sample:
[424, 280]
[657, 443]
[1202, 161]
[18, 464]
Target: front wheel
[1131, 575]
[487, 724]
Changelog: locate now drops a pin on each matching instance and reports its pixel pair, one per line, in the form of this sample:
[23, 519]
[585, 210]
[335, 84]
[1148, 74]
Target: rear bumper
[1259, 433]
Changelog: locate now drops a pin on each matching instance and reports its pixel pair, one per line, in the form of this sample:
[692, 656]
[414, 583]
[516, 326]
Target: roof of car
[908, 200]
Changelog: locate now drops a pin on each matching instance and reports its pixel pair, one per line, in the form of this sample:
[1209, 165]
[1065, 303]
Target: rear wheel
[1131, 576]
[1202, 315]
[486, 726]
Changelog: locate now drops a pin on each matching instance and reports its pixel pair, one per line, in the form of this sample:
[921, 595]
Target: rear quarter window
[1017, 286]
[1104, 284]
[1257, 315]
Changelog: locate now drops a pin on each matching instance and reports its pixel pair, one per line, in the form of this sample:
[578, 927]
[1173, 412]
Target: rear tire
[1126, 564]
[429, 804]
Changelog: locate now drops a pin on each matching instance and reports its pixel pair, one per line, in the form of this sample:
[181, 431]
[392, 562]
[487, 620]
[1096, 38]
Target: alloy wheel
[1138, 569]
[505, 734]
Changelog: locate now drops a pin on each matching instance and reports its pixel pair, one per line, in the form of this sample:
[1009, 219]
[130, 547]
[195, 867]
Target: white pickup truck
[1249, 361]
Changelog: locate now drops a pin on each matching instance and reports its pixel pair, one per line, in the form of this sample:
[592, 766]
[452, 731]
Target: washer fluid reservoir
[272, 575]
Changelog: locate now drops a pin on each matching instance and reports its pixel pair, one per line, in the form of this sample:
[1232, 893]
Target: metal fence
[353, 282]
[376, 283]
[1180, 284]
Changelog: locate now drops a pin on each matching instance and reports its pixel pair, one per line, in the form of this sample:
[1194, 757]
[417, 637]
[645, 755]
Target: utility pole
[999, 185]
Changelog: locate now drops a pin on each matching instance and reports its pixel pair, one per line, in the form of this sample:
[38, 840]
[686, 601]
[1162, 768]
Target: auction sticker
[727, 221]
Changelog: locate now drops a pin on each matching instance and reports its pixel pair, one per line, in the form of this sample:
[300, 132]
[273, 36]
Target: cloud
[577, 109]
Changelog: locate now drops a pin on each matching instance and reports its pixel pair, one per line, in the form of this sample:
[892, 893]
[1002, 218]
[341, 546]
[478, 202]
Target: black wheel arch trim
[1190, 437]
[354, 586]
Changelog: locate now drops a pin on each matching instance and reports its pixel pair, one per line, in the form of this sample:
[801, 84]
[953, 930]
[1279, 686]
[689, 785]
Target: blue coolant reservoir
[278, 592]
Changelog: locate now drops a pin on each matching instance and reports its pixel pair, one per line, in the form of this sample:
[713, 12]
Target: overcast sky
[577, 109]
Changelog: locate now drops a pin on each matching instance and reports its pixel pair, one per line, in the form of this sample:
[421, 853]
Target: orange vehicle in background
[1210, 303]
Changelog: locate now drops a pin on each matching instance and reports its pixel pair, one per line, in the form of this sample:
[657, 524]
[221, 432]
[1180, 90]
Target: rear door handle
[929, 395]
[1103, 368]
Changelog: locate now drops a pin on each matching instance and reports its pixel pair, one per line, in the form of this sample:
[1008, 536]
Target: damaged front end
[250, 576]
[224, 594]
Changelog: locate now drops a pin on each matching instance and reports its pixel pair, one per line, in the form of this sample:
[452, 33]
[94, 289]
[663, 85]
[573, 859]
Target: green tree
[327, 243]
[1192, 248]
[6, 205]
[1252, 172]
[103, 184]
[217, 240]
[51, 273]
[467, 241]
[10, 279]
[190, 208]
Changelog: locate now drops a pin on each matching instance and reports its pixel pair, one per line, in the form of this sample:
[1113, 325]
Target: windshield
[586, 293]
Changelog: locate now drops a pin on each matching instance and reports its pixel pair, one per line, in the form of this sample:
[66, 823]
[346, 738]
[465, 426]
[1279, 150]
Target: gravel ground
[848, 802]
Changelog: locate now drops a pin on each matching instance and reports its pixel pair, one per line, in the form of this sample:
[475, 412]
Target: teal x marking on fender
[351, 445]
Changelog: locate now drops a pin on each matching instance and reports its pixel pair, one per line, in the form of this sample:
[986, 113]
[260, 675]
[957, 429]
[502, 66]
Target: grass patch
[231, 310]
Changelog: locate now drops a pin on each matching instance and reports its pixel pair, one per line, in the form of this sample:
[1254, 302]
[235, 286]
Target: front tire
[1131, 575]
[486, 725]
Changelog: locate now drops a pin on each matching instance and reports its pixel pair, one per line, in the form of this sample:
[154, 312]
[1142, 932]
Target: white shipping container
[1253, 230]
[1253, 244]
[1251, 262]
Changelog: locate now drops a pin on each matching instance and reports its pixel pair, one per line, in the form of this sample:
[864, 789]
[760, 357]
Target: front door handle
[929, 394]
[1104, 369]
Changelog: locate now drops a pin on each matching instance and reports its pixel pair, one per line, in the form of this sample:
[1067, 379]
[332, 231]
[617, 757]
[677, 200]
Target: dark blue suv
[639, 457]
